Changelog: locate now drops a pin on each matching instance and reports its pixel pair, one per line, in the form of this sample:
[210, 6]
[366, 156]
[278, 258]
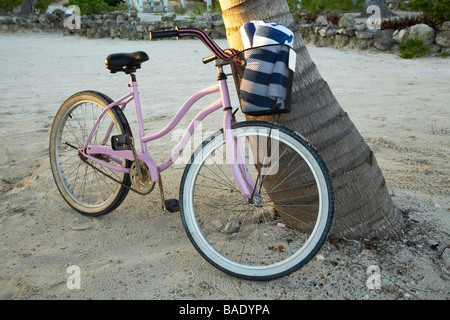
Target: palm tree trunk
[363, 205]
[27, 8]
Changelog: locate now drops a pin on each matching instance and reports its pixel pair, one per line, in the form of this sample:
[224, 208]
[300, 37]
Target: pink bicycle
[256, 198]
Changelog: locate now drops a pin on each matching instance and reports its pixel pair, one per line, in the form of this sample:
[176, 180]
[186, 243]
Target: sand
[139, 251]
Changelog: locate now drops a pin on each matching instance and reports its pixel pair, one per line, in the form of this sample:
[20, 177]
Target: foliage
[309, 17]
[9, 5]
[439, 10]
[333, 17]
[114, 3]
[199, 11]
[405, 22]
[179, 10]
[196, 12]
[445, 54]
[299, 8]
[88, 7]
[330, 5]
[413, 48]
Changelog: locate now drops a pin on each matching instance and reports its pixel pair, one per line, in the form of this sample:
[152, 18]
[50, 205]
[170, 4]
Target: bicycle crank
[141, 186]
[140, 178]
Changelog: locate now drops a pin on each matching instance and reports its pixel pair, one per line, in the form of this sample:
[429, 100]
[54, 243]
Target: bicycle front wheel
[290, 214]
[82, 182]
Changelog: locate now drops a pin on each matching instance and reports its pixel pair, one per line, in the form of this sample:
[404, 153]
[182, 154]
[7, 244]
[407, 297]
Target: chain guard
[142, 185]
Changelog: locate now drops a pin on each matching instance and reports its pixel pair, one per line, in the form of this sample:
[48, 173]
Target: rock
[167, 24]
[341, 41]
[43, 20]
[347, 21]
[360, 44]
[443, 39]
[217, 224]
[6, 20]
[317, 29]
[383, 39]
[422, 31]
[349, 32]
[323, 32]
[331, 32]
[168, 16]
[401, 36]
[361, 26]
[445, 26]
[325, 42]
[434, 50]
[121, 18]
[232, 225]
[364, 34]
[305, 28]
[321, 21]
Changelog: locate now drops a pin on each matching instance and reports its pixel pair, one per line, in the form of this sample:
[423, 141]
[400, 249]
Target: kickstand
[171, 205]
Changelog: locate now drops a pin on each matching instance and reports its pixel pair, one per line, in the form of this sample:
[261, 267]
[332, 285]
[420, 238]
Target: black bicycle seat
[126, 62]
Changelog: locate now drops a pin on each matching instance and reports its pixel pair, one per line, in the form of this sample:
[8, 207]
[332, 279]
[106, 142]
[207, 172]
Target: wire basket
[263, 79]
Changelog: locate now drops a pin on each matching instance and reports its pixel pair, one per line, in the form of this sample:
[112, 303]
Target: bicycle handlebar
[192, 32]
[163, 34]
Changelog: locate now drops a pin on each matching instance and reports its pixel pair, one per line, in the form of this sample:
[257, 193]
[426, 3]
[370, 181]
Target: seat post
[133, 77]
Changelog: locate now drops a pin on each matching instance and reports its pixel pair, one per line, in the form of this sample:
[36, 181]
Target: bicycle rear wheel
[292, 208]
[84, 188]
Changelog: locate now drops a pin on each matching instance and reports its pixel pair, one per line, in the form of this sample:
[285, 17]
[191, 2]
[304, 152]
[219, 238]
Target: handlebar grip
[209, 59]
[163, 34]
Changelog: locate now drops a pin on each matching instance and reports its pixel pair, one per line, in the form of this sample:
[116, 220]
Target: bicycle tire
[267, 243]
[93, 194]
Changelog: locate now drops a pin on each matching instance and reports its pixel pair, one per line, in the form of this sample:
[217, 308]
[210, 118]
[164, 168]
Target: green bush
[329, 5]
[9, 5]
[413, 48]
[439, 10]
[88, 7]
[405, 22]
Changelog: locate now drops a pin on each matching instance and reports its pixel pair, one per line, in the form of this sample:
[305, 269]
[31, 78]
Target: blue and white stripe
[266, 75]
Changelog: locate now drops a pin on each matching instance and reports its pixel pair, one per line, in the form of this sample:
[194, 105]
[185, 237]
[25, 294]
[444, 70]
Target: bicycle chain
[85, 160]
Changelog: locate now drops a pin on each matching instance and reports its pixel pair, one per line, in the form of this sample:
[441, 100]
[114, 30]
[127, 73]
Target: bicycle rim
[85, 189]
[292, 210]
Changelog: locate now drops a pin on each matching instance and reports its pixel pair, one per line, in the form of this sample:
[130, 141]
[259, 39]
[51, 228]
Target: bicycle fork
[234, 149]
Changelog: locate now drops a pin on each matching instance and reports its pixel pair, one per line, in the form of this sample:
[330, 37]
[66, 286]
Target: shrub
[88, 7]
[439, 10]
[309, 17]
[9, 5]
[333, 17]
[317, 6]
[405, 22]
[413, 48]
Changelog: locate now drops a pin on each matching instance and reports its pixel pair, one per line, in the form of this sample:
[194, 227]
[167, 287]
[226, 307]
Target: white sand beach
[139, 251]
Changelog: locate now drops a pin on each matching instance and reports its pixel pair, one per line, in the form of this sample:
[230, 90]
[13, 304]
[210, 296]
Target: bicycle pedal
[121, 142]
[172, 205]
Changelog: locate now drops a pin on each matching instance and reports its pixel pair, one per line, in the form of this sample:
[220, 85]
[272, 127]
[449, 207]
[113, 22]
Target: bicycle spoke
[269, 230]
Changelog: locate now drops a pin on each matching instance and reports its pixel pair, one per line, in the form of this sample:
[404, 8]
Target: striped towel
[265, 81]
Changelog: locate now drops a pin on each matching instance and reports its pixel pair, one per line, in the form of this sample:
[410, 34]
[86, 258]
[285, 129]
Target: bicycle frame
[233, 150]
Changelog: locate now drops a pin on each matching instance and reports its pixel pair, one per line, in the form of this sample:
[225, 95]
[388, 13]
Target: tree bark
[26, 9]
[364, 207]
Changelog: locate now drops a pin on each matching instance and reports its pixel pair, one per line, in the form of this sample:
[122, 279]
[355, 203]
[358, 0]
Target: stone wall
[348, 33]
[110, 25]
[356, 35]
